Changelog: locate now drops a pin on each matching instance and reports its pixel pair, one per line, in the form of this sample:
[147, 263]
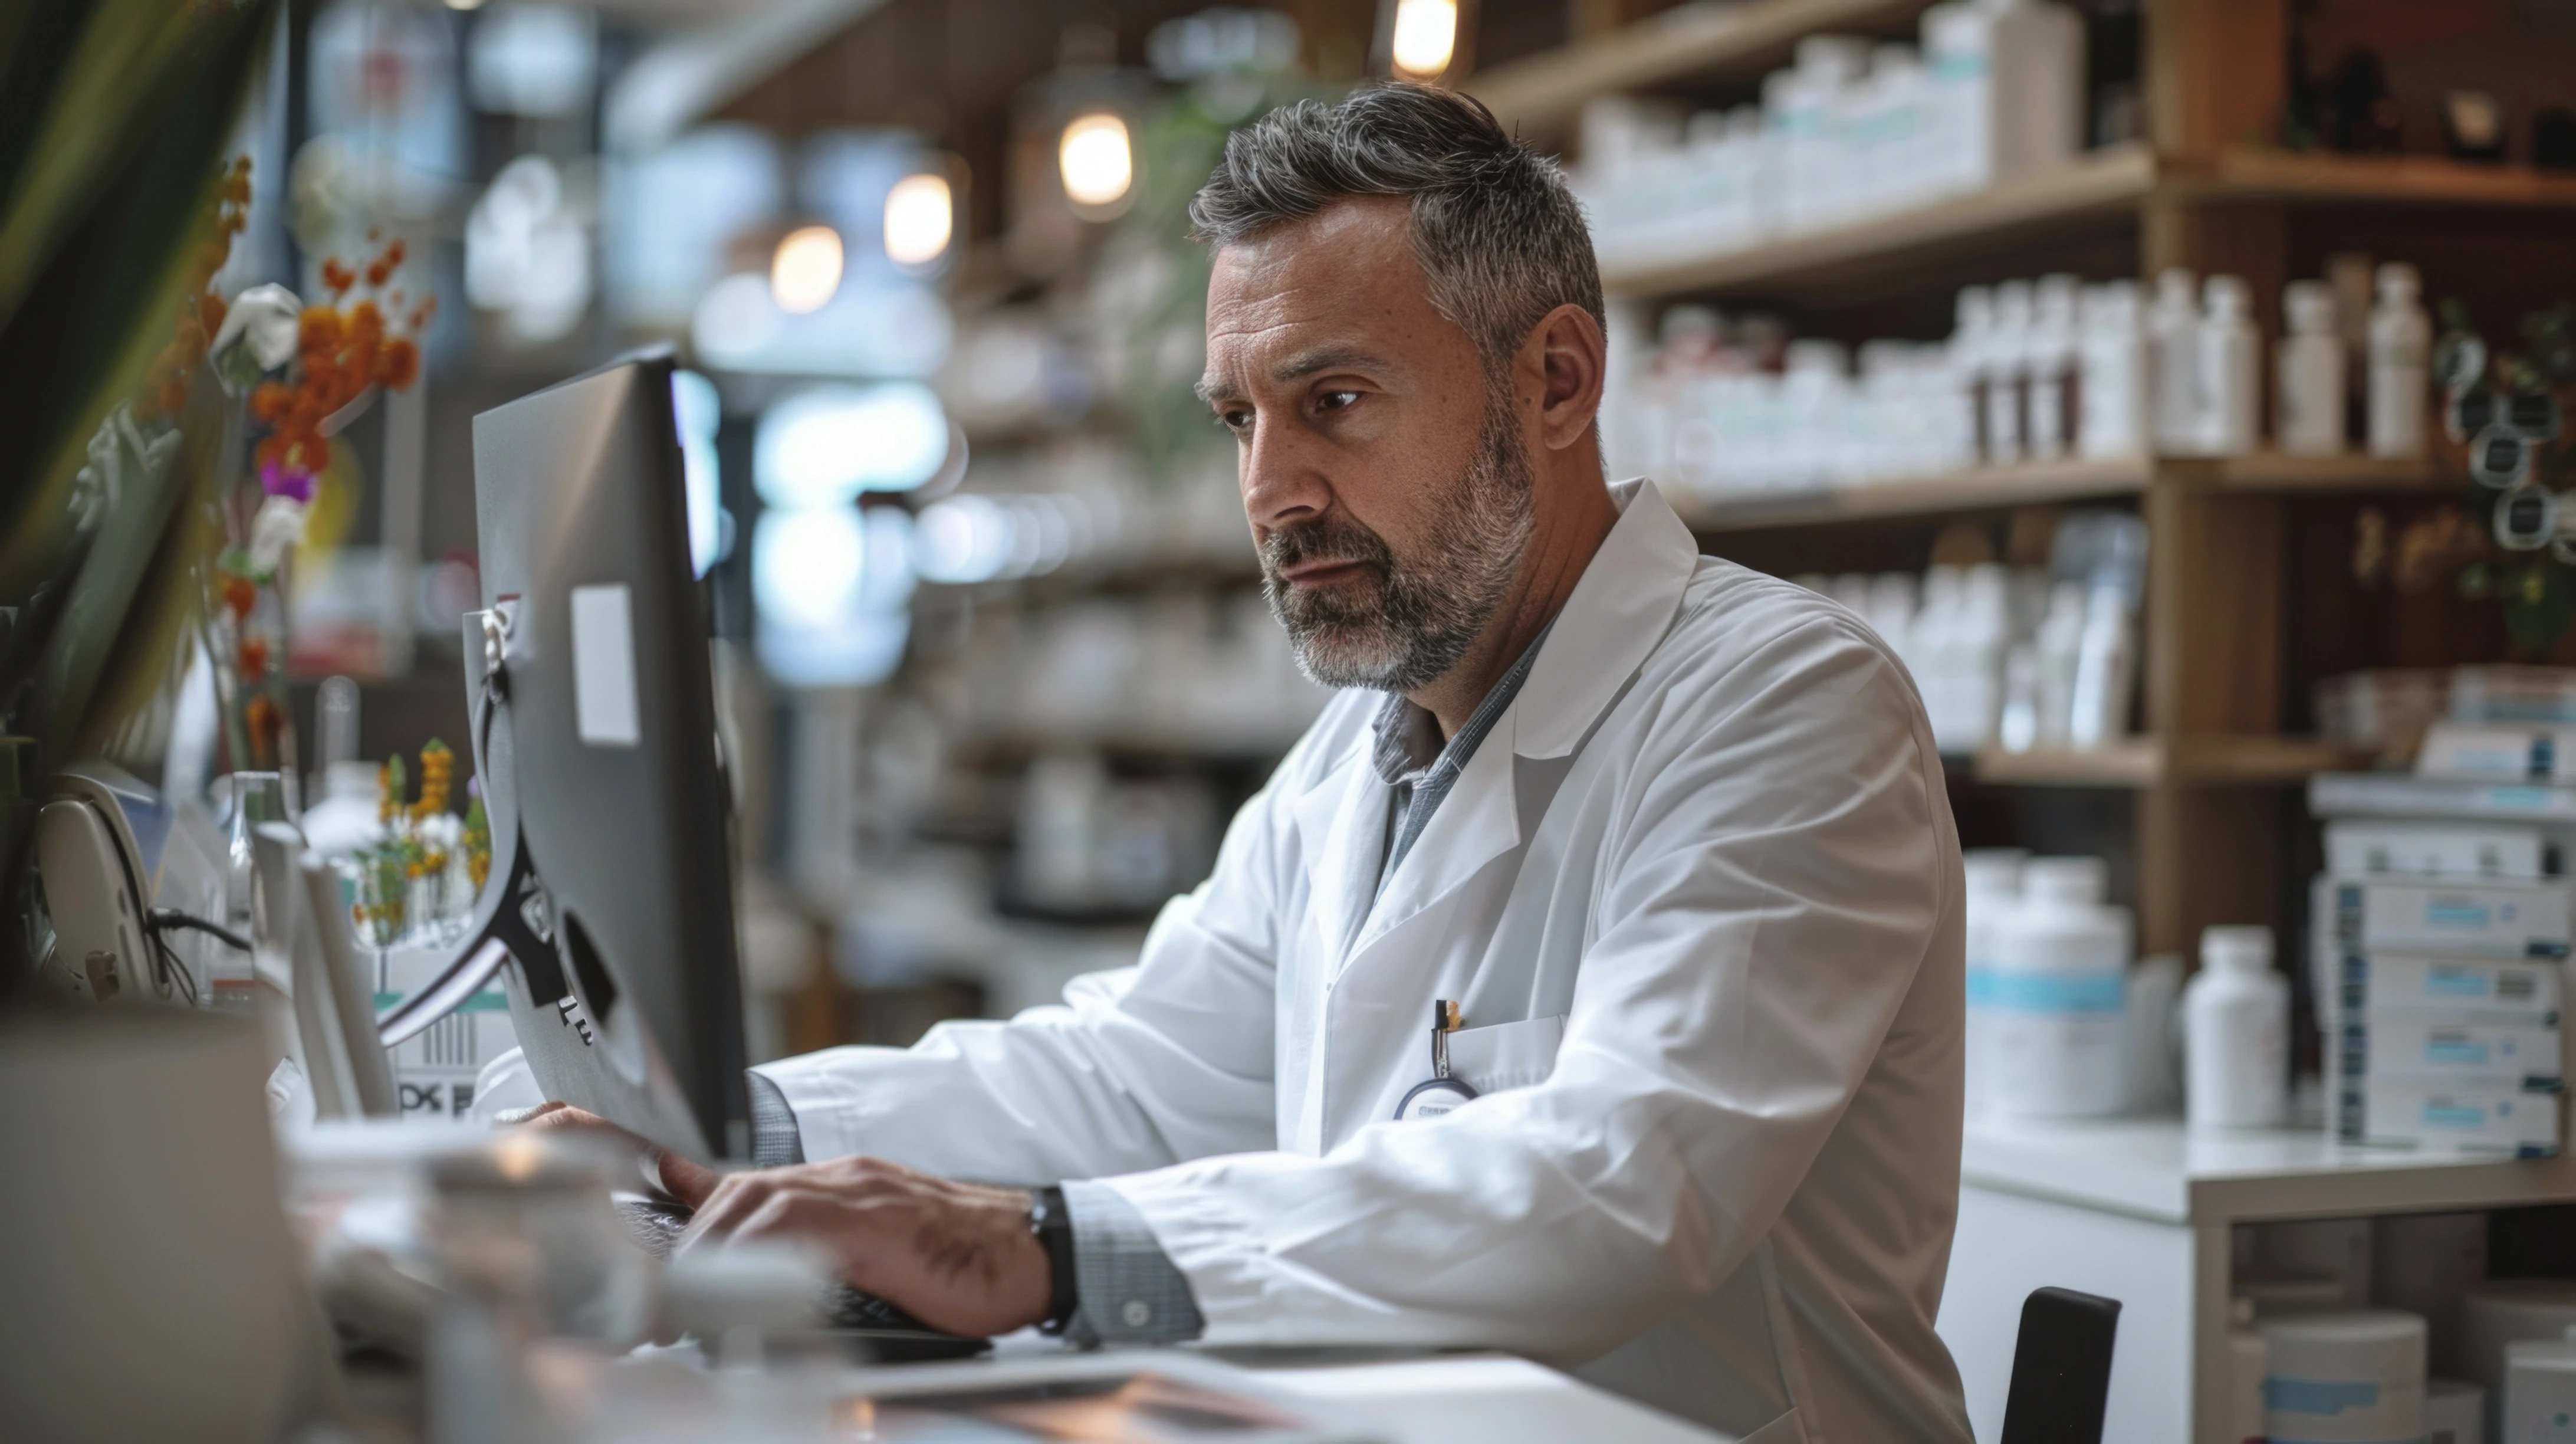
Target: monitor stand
[513, 919]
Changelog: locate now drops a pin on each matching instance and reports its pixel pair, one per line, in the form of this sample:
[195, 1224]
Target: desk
[2139, 1210]
[1434, 1399]
[1471, 1399]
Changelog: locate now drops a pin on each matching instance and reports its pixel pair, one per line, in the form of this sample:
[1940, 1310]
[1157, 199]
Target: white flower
[263, 318]
[278, 526]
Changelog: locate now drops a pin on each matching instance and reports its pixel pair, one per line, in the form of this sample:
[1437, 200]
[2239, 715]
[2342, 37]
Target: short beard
[1418, 616]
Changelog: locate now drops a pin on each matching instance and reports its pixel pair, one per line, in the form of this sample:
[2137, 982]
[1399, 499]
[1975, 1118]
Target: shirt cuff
[1126, 1288]
[775, 1142]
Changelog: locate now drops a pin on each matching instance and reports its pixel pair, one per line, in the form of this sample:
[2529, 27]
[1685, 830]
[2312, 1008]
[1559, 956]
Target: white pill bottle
[2236, 1029]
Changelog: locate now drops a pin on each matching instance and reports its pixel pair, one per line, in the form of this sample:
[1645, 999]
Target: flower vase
[246, 637]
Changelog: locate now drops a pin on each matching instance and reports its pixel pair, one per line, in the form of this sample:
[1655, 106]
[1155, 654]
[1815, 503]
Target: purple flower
[277, 481]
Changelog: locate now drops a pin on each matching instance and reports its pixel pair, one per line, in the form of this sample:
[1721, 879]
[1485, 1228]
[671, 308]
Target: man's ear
[1566, 353]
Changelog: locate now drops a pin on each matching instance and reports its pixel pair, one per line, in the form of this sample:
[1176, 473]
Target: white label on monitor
[603, 666]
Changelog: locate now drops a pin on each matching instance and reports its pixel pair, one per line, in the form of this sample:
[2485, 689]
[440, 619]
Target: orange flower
[318, 330]
[339, 354]
[399, 363]
[239, 594]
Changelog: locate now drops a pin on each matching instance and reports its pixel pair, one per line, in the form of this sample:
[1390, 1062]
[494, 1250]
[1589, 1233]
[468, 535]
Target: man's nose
[1283, 484]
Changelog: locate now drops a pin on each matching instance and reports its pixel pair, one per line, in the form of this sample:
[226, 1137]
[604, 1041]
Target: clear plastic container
[2383, 712]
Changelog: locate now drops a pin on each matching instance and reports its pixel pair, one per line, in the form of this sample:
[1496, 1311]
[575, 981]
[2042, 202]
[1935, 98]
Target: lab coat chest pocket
[1505, 1055]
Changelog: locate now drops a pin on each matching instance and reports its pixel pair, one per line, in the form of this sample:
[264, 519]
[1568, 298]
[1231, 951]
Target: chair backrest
[2061, 1377]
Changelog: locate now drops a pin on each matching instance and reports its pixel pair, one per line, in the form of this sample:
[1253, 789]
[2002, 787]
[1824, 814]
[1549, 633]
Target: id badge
[1431, 1098]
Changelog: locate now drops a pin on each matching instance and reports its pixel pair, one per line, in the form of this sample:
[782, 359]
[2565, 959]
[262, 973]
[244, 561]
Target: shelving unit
[2206, 775]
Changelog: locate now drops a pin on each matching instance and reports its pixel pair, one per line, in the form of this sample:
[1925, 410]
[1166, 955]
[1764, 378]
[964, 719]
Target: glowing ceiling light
[918, 218]
[806, 565]
[806, 270]
[1097, 165]
[825, 445]
[1426, 35]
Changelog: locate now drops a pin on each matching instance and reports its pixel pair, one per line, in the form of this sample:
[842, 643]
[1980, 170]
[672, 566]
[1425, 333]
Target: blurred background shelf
[2272, 471]
[2189, 761]
[2104, 189]
[1977, 488]
[2046, 483]
[2257, 174]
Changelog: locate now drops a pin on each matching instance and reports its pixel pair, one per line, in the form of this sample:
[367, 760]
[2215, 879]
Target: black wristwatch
[1054, 1228]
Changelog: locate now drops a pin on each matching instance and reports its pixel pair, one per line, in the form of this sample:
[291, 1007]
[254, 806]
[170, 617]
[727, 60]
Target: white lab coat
[1698, 893]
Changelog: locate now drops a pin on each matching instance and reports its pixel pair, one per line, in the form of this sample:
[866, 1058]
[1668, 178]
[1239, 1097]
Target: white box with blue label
[2368, 848]
[2383, 982]
[2480, 1115]
[2496, 1047]
[2462, 919]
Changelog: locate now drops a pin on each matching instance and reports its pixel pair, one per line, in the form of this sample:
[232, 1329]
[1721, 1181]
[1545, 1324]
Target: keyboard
[894, 1336]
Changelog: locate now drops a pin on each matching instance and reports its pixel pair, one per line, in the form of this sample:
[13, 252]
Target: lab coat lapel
[1341, 824]
[1477, 822]
[1614, 617]
[1613, 620]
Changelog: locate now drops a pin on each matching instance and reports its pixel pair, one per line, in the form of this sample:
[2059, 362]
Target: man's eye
[1335, 400]
[1234, 419]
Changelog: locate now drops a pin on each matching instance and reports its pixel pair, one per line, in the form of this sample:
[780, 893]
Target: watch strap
[1053, 1225]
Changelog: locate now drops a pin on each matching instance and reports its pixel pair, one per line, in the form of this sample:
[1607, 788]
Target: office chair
[2061, 1377]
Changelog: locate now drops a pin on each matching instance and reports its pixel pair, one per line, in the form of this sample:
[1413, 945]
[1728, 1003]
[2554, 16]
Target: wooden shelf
[2038, 483]
[2176, 761]
[1542, 96]
[2273, 471]
[2099, 189]
[1971, 490]
[2102, 186]
[2258, 174]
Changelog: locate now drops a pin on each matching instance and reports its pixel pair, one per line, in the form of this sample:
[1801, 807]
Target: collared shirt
[1419, 768]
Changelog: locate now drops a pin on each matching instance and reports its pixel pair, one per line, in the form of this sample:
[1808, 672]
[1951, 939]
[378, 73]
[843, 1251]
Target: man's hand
[957, 1256]
[684, 1180]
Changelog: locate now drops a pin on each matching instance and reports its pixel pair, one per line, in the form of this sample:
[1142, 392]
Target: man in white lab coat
[1662, 843]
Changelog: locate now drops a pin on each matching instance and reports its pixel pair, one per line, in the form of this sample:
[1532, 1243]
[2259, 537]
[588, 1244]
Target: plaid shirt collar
[1409, 751]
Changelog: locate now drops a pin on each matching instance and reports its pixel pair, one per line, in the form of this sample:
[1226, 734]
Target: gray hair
[1495, 229]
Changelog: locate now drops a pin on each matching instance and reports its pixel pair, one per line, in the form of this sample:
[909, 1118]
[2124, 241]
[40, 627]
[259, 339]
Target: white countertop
[2151, 1168]
[1377, 1395]
[1474, 1399]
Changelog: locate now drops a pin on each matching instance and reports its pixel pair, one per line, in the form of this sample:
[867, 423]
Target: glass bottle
[257, 797]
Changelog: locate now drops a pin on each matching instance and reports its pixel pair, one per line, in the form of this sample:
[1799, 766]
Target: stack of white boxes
[2438, 973]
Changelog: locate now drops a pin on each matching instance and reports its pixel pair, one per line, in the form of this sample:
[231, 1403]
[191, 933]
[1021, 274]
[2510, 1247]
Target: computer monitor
[302, 937]
[595, 733]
